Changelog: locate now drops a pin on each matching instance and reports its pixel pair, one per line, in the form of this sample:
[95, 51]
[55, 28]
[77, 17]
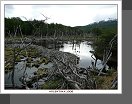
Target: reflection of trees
[75, 45]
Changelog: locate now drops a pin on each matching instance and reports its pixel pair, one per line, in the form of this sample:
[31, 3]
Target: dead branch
[114, 83]
[107, 53]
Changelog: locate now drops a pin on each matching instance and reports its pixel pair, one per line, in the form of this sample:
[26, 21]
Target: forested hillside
[28, 28]
[103, 25]
[104, 32]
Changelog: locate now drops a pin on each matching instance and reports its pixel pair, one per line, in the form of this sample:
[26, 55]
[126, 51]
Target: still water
[20, 72]
[82, 50]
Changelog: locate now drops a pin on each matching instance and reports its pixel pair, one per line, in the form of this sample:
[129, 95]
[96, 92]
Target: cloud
[100, 17]
[106, 12]
[8, 10]
[70, 15]
[9, 7]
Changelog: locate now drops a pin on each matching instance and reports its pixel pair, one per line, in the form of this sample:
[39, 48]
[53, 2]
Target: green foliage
[38, 28]
[110, 24]
[30, 52]
[96, 31]
[42, 72]
[52, 84]
[104, 36]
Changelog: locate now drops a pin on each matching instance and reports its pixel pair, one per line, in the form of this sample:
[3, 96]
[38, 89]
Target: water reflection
[79, 48]
[82, 50]
[20, 72]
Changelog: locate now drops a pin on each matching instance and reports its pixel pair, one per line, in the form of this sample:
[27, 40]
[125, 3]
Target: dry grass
[104, 82]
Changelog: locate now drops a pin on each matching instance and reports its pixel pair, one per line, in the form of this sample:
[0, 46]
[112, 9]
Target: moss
[21, 56]
[23, 53]
[18, 49]
[42, 72]
[29, 60]
[8, 53]
[52, 84]
[39, 74]
[37, 63]
[18, 59]
[44, 60]
[111, 71]
[32, 52]
[8, 67]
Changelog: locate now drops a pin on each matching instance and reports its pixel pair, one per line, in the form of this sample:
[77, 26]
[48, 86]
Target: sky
[69, 15]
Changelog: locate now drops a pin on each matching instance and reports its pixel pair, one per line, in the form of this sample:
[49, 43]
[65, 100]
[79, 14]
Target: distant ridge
[110, 24]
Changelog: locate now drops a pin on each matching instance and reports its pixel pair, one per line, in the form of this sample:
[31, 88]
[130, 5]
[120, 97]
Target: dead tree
[106, 56]
[45, 21]
[70, 73]
[107, 53]
[22, 46]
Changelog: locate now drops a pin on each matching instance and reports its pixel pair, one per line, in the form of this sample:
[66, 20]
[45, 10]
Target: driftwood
[97, 72]
[65, 65]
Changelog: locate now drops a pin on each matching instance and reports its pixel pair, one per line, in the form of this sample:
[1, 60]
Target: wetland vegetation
[39, 55]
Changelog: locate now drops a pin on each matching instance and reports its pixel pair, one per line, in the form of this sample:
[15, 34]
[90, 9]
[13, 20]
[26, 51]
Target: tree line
[28, 28]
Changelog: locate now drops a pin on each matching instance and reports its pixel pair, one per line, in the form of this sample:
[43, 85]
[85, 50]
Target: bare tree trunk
[13, 71]
[107, 54]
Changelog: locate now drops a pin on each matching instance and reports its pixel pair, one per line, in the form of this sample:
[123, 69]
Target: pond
[82, 49]
[28, 73]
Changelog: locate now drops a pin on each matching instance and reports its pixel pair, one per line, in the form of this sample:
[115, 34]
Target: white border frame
[118, 91]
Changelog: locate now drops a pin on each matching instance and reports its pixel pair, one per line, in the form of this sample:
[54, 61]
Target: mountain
[110, 24]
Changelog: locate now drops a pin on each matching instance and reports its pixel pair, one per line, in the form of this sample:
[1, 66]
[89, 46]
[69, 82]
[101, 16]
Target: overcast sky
[70, 15]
